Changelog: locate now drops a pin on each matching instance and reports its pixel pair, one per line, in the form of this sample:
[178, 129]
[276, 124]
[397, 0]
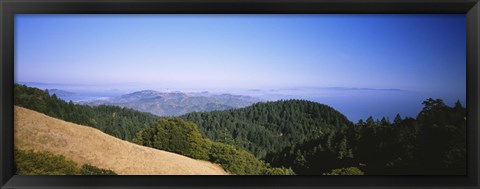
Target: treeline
[269, 127]
[120, 122]
[28, 162]
[183, 137]
[433, 143]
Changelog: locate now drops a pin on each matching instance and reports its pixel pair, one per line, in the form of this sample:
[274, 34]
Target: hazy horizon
[355, 103]
[421, 55]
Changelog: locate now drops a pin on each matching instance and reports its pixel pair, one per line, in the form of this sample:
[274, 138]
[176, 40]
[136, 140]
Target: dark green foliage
[182, 137]
[175, 135]
[345, 171]
[236, 161]
[441, 139]
[92, 170]
[120, 122]
[269, 127]
[280, 171]
[432, 144]
[46, 163]
[397, 119]
[43, 163]
[316, 157]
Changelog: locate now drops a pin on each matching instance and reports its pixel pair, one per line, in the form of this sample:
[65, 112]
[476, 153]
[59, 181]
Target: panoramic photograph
[226, 94]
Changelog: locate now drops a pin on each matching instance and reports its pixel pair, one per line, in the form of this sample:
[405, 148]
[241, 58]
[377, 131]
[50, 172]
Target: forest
[314, 139]
[284, 137]
[267, 127]
[433, 143]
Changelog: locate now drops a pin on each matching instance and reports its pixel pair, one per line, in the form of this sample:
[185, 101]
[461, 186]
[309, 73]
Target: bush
[92, 170]
[174, 135]
[45, 163]
[279, 171]
[236, 161]
[345, 171]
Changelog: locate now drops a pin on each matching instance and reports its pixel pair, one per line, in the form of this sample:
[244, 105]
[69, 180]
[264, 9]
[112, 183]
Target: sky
[414, 53]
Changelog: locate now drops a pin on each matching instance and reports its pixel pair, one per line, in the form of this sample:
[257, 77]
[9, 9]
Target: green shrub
[175, 135]
[279, 171]
[92, 170]
[235, 160]
[345, 171]
[45, 163]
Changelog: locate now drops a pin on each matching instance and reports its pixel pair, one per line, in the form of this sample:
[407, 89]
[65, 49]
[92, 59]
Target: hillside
[85, 145]
[119, 122]
[269, 127]
[183, 137]
[176, 103]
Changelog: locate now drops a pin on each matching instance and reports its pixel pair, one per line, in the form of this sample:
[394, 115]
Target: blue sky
[409, 52]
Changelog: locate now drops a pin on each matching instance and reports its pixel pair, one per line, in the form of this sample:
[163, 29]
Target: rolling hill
[267, 127]
[176, 103]
[86, 145]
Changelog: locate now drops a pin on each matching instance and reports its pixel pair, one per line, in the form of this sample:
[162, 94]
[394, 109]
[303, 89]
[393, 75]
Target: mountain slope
[269, 127]
[176, 103]
[119, 122]
[85, 145]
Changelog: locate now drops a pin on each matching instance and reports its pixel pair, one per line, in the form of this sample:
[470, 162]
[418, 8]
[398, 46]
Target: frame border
[8, 8]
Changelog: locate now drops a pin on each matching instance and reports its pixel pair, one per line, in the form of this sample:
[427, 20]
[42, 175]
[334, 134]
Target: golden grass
[86, 145]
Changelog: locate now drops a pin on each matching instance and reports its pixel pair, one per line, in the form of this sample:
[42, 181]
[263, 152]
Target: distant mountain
[60, 93]
[176, 103]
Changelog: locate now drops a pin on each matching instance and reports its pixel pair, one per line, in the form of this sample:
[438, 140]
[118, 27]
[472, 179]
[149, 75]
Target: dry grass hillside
[86, 145]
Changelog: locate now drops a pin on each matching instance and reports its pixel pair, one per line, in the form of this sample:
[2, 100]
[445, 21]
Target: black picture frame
[8, 8]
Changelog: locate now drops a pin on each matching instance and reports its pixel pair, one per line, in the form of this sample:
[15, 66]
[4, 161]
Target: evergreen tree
[397, 119]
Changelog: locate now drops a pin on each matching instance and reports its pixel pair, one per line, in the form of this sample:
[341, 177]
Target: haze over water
[362, 65]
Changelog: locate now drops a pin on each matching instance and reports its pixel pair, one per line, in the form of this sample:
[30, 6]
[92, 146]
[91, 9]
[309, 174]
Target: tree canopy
[269, 127]
[431, 144]
[182, 137]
